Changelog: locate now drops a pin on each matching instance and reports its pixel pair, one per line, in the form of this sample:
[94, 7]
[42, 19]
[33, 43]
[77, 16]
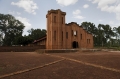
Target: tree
[108, 32]
[118, 31]
[1, 36]
[23, 40]
[90, 27]
[10, 29]
[105, 33]
[117, 34]
[36, 33]
[100, 36]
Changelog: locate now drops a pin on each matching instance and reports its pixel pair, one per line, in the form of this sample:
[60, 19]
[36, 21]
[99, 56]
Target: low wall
[56, 50]
[20, 48]
[65, 50]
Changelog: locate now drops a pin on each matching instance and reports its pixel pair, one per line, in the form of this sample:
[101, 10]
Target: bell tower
[55, 29]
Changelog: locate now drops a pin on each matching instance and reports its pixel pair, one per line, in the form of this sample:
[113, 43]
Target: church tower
[55, 29]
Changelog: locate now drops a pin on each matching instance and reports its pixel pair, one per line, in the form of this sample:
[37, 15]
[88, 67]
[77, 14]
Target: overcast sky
[33, 12]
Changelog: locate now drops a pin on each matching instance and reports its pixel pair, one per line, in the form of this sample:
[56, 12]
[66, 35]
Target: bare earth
[86, 65]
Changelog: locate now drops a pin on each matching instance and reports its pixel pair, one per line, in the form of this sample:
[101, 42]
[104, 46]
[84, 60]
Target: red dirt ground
[16, 61]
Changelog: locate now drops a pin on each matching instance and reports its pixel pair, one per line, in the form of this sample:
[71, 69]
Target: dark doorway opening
[75, 44]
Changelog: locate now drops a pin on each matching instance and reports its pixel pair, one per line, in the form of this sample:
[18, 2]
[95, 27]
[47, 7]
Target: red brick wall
[85, 42]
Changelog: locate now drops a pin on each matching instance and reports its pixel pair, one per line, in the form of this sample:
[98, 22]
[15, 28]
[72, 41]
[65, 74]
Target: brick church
[64, 36]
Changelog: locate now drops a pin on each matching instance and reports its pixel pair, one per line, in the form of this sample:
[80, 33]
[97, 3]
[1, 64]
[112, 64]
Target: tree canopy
[11, 31]
[103, 35]
[10, 28]
[36, 33]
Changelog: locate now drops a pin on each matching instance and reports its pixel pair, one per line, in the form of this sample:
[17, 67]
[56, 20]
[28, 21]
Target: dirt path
[97, 65]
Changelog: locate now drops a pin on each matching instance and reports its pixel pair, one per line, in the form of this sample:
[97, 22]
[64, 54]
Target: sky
[32, 13]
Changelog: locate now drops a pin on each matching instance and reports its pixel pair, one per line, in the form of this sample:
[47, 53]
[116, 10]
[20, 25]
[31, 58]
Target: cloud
[14, 13]
[85, 6]
[25, 21]
[11, 12]
[66, 2]
[79, 17]
[18, 13]
[111, 22]
[118, 16]
[28, 5]
[89, 0]
[100, 20]
[76, 14]
[111, 6]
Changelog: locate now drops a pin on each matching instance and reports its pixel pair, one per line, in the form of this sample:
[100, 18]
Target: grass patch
[112, 48]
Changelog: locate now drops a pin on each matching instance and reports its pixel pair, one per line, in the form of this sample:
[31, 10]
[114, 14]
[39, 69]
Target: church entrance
[75, 44]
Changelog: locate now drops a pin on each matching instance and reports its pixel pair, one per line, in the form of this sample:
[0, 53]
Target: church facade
[65, 36]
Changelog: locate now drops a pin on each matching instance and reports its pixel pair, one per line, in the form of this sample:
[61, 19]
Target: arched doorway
[74, 44]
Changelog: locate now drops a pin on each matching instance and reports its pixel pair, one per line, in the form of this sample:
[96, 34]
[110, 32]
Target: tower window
[62, 35]
[50, 19]
[62, 20]
[76, 33]
[55, 35]
[55, 19]
[50, 35]
[81, 36]
[89, 40]
[67, 35]
[72, 32]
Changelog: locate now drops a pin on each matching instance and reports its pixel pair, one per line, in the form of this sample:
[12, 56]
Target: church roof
[42, 38]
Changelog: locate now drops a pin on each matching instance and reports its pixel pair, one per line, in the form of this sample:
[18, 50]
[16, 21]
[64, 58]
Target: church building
[64, 36]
